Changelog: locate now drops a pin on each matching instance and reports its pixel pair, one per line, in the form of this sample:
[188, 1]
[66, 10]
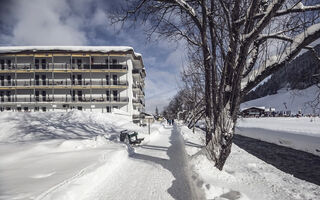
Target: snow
[77, 155]
[299, 6]
[102, 49]
[63, 155]
[244, 176]
[297, 133]
[295, 100]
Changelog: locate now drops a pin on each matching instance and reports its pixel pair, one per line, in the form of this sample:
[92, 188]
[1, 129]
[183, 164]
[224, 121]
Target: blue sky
[86, 22]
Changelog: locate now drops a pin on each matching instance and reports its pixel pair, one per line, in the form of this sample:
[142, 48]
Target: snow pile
[61, 155]
[244, 176]
[287, 100]
[102, 49]
[297, 133]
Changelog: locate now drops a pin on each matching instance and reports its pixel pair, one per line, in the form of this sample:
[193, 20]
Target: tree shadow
[300, 164]
[177, 165]
[40, 128]
[191, 144]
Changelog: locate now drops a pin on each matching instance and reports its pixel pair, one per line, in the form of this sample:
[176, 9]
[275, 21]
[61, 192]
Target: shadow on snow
[177, 165]
[300, 164]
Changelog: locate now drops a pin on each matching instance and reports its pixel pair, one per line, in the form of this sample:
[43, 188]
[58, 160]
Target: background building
[78, 77]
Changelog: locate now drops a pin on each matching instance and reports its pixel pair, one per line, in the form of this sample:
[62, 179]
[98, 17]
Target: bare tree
[240, 42]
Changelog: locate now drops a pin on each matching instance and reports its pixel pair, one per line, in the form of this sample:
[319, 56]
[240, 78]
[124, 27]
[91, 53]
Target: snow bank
[244, 176]
[293, 100]
[297, 133]
[61, 155]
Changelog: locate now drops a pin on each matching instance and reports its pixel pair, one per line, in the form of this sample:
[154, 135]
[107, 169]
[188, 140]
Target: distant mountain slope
[298, 74]
[294, 100]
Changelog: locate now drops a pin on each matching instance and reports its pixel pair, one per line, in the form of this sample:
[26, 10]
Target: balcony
[69, 99]
[61, 84]
[66, 67]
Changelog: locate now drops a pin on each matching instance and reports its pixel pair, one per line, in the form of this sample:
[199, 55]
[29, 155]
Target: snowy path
[157, 170]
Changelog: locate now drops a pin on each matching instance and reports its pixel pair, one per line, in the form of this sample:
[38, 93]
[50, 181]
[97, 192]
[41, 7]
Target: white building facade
[77, 77]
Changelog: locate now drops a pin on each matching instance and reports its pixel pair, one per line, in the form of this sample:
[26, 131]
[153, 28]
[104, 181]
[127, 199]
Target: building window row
[74, 64]
[73, 80]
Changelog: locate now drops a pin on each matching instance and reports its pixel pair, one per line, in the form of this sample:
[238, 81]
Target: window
[79, 63]
[9, 96]
[115, 79]
[43, 63]
[108, 95]
[73, 95]
[114, 61]
[9, 80]
[107, 80]
[108, 109]
[1, 109]
[2, 64]
[19, 109]
[37, 95]
[115, 95]
[73, 78]
[36, 63]
[73, 62]
[37, 79]
[9, 63]
[26, 109]
[2, 80]
[1, 96]
[79, 79]
[44, 95]
[8, 108]
[79, 107]
[115, 107]
[36, 108]
[43, 77]
[44, 109]
[79, 95]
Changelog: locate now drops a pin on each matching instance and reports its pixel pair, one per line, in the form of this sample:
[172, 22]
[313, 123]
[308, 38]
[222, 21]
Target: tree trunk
[219, 147]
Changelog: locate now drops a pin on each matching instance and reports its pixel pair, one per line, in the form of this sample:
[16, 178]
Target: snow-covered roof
[102, 49]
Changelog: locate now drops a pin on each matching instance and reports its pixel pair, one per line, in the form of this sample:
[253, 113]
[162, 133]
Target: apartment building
[50, 78]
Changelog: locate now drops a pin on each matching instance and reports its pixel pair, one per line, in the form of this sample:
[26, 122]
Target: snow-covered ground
[298, 133]
[77, 155]
[244, 176]
[287, 100]
[61, 155]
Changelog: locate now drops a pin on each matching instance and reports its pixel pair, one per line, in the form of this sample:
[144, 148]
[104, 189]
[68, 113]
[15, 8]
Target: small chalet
[253, 112]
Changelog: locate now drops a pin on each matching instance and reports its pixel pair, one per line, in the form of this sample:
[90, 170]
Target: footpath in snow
[157, 170]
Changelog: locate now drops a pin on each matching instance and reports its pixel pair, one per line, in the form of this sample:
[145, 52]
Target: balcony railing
[69, 99]
[61, 66]
[76, 82]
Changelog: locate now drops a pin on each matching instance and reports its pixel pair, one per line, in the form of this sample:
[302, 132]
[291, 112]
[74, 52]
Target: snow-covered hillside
[60, 155]
[291, 100]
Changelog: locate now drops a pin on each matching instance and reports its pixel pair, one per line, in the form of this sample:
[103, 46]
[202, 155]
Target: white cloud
[45, 23]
